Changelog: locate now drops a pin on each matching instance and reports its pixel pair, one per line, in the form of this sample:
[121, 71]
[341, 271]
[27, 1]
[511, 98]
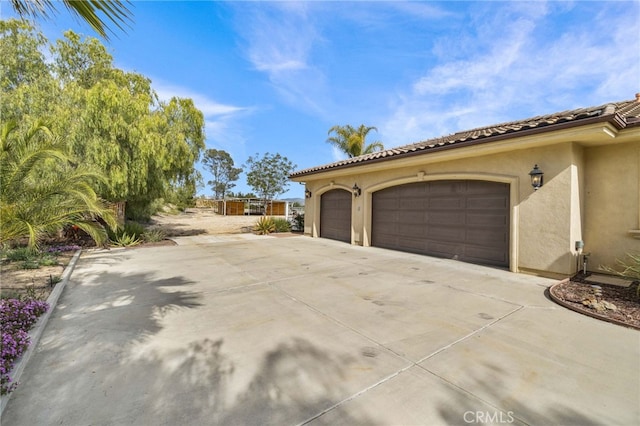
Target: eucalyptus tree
[42, 191]
[115, 11]
[352, 141]
[222, 167]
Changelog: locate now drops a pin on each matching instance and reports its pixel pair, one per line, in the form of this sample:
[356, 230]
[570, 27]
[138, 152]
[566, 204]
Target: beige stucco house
[469, 195]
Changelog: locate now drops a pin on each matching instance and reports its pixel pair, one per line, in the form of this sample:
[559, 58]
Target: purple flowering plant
[16, 319]
[62, 249]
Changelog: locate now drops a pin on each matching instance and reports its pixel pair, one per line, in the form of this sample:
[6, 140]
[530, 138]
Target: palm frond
[42, 192]
[116, 12]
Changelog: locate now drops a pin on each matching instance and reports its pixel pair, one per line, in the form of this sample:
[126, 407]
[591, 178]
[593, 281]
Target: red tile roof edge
[621, 114]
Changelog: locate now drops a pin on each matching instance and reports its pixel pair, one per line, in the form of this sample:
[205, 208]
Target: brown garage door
[460, 219]
[335, 215]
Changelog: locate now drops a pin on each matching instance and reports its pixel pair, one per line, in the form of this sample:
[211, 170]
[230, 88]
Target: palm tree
[352, 141]
[115, 11]
[42, 192]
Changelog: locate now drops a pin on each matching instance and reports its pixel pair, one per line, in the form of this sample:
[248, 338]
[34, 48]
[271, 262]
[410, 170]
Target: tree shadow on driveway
[88, 335]
[491, 387]
[93, 365]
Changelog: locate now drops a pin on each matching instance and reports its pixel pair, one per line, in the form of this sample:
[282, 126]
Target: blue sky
[275, 76]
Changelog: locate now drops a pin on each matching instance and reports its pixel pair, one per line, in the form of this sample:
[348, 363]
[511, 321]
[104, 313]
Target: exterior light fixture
[356, 190]
[307, 193]
[537, 177]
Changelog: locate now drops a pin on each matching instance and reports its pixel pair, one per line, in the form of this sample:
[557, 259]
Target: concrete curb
[38, 329]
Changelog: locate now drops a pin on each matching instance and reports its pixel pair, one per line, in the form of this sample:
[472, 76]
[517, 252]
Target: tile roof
[620, 114]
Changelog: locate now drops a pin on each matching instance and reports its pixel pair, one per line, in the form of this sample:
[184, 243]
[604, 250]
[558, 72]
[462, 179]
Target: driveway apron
[286, 331]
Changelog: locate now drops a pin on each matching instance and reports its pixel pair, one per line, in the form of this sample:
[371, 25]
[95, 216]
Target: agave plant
[125, 240]
[42, 191]
[265, 225]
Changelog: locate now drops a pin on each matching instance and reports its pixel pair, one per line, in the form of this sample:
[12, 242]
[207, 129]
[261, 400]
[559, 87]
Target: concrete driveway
[263, 330]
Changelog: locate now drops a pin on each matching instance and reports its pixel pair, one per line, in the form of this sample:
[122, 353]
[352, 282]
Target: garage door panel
[413, 244]
[445, 203]
[446, 233]
[443, 249]
[387, 217]
[411, 217]
[388, 241]
[443, 187]
[446, 218]
[485, 237]
[408, 230]
[335, 215]
[493, 202]
[408, 191]
[496, 220]
[466, 220]
[388, 203]
[486, 256]
[411, 203]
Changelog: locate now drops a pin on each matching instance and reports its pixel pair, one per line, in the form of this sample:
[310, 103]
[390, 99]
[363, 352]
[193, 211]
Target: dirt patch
[17, 281]
[202, 222]
[620, 305]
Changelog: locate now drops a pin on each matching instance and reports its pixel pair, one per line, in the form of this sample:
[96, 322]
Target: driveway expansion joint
[411, 363]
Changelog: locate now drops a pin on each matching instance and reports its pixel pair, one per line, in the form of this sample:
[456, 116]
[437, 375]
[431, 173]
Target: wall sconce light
[537, 177]
[356, 190]
[307, 193]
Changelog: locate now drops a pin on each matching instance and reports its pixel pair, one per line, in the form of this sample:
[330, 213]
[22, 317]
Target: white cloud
[278, 40]
[520, 68]
[223, 122]
[209, 107]
[421, 10]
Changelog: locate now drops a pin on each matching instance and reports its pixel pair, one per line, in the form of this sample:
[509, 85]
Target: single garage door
[335, 215]
[460, 219]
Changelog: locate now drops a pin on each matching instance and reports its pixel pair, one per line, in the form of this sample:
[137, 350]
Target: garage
[466, 220]
[335, 215]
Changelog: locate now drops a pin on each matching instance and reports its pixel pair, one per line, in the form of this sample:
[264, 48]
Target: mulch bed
[619, 305]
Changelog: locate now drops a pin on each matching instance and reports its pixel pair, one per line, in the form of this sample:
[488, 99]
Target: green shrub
[134, 228]
[265, 225]
[23, 254]
[125, 240]
[154, 235]
[282, 225]
[30, 258]
[30, 264]
[48, 260]
[299, 221]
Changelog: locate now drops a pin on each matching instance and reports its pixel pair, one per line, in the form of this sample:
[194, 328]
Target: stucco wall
[545, 223]
[612, 190]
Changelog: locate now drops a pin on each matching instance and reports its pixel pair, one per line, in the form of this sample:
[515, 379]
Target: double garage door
[459, 219]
